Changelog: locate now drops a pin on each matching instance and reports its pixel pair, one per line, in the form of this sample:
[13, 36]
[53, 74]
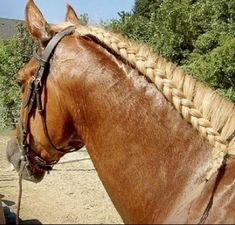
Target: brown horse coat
[149, 158]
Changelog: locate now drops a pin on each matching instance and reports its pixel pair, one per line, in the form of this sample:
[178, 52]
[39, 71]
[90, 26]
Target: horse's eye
[19, 82]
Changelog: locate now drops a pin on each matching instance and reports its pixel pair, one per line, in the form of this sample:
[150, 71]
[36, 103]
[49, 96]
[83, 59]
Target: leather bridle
[33, 102]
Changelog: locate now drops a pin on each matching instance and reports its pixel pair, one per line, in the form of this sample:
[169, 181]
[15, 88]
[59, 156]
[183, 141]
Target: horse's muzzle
[14, 157]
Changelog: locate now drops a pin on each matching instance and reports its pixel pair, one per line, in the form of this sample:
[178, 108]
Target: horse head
[45, 133]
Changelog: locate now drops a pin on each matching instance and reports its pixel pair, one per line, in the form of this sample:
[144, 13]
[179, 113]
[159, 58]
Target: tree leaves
[196, 34]
[13, 53]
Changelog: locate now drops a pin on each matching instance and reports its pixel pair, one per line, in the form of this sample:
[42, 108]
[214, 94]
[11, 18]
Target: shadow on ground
[10, 216]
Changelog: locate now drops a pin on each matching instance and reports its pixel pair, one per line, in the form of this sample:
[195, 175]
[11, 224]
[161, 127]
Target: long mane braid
[209, 113]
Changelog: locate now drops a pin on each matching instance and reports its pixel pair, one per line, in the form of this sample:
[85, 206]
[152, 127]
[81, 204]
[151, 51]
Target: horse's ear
[71, 16]
[36, 24]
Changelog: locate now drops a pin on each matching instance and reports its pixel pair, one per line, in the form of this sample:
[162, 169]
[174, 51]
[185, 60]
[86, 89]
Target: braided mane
[209, 113]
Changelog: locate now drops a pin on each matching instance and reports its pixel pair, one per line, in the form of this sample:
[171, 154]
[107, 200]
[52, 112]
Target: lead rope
[23, 164]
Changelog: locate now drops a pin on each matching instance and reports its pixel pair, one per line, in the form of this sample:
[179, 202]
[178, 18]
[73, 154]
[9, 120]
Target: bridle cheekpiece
[33, 102]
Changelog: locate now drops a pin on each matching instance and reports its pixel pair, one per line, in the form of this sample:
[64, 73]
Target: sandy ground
[71, 193]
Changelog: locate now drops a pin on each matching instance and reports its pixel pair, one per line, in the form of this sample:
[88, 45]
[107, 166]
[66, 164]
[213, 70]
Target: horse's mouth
[29, 172]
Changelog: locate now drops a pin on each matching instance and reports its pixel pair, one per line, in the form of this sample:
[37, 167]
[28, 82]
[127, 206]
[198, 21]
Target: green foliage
[13, 53]
[146, 7]
[84, 19]
[216, 67]
[196, 34]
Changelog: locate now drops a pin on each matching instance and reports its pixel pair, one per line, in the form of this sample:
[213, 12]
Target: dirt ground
[72, 193]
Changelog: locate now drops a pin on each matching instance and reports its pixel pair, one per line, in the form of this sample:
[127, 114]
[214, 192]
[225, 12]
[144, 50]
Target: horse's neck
[144, 152]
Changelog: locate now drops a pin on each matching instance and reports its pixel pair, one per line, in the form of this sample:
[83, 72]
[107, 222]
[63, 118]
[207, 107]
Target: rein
[33, 102]
[22, 167]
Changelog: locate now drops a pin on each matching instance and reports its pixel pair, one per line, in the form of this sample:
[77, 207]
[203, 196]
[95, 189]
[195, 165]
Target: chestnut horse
[161, 142]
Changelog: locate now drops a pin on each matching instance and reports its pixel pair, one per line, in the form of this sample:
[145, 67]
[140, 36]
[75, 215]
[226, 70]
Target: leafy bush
[196, 34]
[13, 53]
[216, 68]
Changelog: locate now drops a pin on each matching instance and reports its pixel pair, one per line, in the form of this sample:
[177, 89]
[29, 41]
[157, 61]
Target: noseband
[33, 102]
